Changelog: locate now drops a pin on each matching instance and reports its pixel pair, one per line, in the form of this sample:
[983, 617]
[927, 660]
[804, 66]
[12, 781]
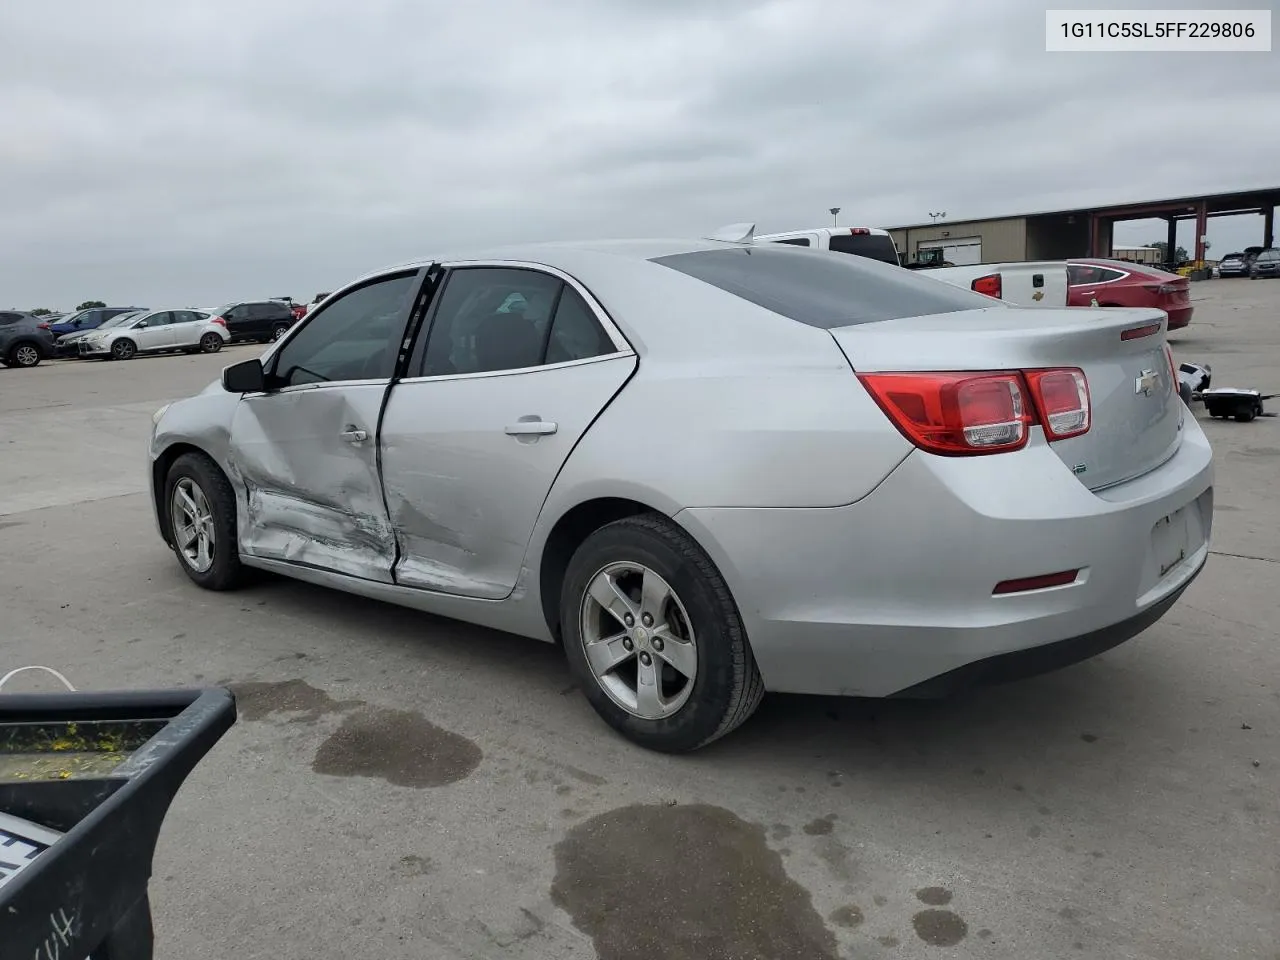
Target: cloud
[192, 151]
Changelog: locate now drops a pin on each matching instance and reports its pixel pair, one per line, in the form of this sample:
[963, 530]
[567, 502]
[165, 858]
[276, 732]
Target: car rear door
[306, 451]
[517, 364]
[186, 330]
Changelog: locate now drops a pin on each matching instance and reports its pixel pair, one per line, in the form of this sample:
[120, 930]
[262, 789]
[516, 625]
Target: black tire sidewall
[129, 356]
[715, 624]
[225, 571]
[214, 341]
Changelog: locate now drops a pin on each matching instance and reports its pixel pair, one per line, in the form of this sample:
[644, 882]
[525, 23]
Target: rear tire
[726, 687]
[204, 484]
[24, 354]
[124, 349]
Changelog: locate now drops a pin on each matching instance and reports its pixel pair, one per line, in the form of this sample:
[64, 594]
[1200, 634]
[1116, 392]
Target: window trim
[271, 357]
[615, 335]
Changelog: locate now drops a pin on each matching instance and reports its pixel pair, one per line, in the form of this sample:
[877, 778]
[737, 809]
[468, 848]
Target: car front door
[306, 450]
[154, 331]
[516, 365]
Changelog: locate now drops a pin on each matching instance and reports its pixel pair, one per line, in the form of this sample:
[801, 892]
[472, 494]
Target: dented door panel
[468, 462]
[310, 482]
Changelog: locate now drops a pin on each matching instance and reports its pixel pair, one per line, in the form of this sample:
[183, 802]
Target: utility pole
[835, 212]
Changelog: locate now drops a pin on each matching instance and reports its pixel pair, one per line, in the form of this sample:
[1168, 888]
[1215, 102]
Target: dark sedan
[25, 340]
[1265, 264]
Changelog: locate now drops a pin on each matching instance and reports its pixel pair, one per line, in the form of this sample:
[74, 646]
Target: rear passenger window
[6, 318]
[576, 334]
[821, 289]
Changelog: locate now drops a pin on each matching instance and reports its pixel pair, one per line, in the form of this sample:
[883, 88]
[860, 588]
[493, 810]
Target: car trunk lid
[1136, 418]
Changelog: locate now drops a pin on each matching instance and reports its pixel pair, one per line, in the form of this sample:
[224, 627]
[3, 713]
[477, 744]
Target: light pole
[935, 217]
[835, 212]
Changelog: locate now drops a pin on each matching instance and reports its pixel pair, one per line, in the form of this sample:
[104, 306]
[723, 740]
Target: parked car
[68, 345]
[1110, 283]
[90, 319]
[25, 340]
[1233, 265]
[260, 320]
[709, 470]
[156, 331]
[1265, 264]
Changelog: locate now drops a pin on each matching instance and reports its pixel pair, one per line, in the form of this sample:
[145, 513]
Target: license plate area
[1170, 542]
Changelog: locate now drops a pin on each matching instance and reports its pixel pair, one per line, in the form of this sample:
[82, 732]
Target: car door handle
[354, 435]
[531, 428]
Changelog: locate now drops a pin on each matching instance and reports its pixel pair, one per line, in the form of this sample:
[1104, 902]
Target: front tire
[24, 355]
[210, 343]
[654, 637]
[201, 517]
[278, 331]
[124, 349]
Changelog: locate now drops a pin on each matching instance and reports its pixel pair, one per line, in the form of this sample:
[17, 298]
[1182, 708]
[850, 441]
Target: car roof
[827, 231]
[559, 253]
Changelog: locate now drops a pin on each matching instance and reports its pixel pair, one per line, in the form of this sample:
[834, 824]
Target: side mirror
[247, 376]
[141, 325]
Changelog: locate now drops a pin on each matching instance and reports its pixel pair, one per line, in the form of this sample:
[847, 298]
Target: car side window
[162, 319]
[183, 316]
[1079, 273]
[1106, 276]
[576, 334]
[490, 319]
[795, 241]
[356, 337]
[7, 318]
[238, 312]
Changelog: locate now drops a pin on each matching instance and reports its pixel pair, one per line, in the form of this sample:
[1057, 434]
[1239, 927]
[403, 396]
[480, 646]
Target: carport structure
[1079, 232]
[1102, 221]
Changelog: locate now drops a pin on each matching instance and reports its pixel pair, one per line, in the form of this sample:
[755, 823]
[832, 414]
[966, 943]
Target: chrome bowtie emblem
[1146, 382]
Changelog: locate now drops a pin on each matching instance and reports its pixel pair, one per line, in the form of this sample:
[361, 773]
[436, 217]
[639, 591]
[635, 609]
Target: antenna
[935, 217]
[735, 233]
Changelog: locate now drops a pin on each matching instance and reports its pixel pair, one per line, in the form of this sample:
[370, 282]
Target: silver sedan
[707, 469]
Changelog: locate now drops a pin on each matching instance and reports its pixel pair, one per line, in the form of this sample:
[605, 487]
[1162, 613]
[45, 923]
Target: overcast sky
[193, 151]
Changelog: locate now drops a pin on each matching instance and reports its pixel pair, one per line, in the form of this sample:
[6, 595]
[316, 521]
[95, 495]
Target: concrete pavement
[402, 786]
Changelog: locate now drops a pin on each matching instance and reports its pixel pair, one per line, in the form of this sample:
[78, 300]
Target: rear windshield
[871, 246]
[822, 289]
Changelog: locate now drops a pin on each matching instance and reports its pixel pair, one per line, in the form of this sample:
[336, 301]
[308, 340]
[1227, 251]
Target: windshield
[121, 320]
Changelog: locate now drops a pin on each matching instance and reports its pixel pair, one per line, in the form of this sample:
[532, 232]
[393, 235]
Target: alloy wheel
[192, 524]
[638, 640]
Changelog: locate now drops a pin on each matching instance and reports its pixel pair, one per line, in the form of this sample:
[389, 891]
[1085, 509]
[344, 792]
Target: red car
[1114, 283]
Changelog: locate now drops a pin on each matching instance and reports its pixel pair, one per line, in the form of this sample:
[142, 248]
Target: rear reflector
[1063, 399]
[1041, 582]
[989, 285]
[1137, 333]
[968, 414]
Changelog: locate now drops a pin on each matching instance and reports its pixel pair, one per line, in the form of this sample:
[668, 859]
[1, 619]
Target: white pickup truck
[1037, 283]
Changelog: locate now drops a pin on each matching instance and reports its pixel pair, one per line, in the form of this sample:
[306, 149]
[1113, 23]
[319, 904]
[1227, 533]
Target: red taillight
[1137, 333]
[967, 414]
[989, 285]
[1062, 397]
[43, 326]
[1041, 582]
[1162, 288]
[955, 414]
[218, 320]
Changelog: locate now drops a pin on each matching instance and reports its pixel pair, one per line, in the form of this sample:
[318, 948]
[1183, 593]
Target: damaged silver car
[708, 469]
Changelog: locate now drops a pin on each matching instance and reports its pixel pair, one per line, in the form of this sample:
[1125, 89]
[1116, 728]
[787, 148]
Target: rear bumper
[883, 595]
[1179, 317]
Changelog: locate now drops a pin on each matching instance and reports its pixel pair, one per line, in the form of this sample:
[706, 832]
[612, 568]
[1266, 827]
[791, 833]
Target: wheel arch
[567, 534]
[160, 468]
[20, 341]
